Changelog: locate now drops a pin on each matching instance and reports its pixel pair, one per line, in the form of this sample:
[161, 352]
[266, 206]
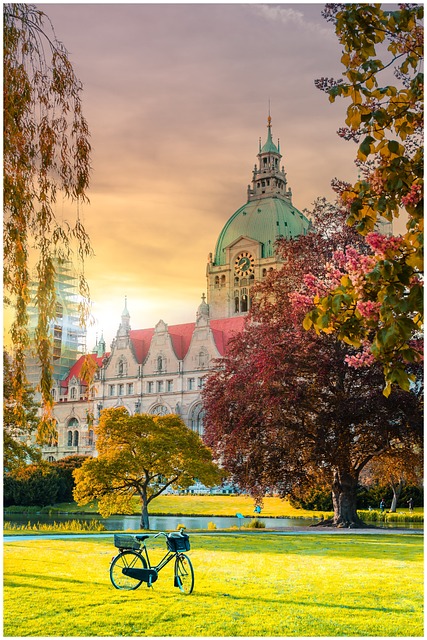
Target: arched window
[196, 419]
[70, 439]
[90, 437]
[73, 393]
[53, 398]
[222, 281]
[159, 363]
[76, 439]
[122, 367]
[236, 302]
[217, 281]
[244, 303]
[159, 410]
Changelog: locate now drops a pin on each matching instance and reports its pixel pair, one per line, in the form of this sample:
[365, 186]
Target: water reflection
[160, 523]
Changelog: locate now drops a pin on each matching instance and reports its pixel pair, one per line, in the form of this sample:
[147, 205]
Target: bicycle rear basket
[122, 541]
[178, 542]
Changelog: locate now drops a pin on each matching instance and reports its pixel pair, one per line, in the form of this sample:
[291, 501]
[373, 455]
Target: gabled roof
[141, 340]
[77, 367]
[223, 329]
[181, 335]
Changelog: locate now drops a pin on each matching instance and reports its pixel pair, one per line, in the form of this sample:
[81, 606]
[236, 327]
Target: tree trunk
[344, 496]
[144, 523]
[397, 490]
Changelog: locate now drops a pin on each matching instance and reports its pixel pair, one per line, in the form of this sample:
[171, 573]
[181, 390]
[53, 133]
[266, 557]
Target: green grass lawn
[246, 585]
[197, 505]
[225, 505]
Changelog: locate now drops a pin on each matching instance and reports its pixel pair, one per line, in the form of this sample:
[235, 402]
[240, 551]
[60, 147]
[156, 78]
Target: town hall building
[163, 369]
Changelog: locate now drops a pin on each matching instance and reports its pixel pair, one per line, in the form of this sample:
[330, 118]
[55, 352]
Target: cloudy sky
[176, 97]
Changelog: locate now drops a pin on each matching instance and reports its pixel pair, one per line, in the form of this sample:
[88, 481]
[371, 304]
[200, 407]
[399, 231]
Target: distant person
[382, 505]
[411, 505]
[257, 509]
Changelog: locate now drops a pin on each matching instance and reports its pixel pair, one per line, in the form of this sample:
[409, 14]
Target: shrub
[385, 516]
[211, 526]
[69, 525]
[254, 524]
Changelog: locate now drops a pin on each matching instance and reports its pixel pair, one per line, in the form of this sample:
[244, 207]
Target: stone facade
[157, 371]
[163, 369]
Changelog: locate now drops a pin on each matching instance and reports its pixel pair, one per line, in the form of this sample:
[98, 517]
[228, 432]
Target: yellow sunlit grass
[245, 585]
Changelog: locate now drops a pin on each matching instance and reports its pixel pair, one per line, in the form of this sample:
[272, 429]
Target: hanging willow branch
[46, 155]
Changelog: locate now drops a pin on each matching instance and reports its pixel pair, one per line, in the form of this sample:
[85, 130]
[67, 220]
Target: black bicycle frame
[149, 575]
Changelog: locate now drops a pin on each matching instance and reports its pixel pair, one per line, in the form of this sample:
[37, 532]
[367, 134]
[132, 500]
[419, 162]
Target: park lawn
[251, 584]
[224, 505]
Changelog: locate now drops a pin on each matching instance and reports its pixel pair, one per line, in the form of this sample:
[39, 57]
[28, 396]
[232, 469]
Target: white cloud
[290, 16]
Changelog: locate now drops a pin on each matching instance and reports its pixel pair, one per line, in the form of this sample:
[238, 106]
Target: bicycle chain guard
[146, 575]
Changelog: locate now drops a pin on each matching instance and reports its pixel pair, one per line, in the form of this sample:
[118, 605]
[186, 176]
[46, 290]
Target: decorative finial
[269, 116]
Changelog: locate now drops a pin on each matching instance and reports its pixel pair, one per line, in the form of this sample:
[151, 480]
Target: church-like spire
[269, 179]
[203, 309]
[124, 327]
[101, 346]
[125, 312]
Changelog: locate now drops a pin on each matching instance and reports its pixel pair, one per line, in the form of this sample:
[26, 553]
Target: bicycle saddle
[142, 537]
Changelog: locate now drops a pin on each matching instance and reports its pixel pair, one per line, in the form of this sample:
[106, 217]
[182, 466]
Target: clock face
[244, 263]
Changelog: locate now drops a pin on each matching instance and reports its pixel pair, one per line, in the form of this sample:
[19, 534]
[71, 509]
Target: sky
[176, 97]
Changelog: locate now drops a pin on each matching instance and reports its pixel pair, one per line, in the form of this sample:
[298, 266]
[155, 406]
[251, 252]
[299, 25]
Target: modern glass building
[67, 336]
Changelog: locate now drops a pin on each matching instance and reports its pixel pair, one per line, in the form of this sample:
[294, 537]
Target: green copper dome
[264, 220]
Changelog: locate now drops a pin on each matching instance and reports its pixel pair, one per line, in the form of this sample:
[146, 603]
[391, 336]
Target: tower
[245, 250]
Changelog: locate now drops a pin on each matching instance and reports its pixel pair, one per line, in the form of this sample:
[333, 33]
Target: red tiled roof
[224, 329]
[77, 367]
[141, 340]
[181, 334]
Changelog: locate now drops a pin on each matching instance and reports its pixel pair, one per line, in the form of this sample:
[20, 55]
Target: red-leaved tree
[284, 411]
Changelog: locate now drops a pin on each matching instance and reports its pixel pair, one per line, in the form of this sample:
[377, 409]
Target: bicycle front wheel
[124, 560]
[184, 574]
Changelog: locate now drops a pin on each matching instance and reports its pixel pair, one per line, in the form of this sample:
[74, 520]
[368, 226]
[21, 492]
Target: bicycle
[131, 566]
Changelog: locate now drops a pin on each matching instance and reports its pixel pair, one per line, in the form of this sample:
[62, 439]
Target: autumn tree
[18, 448]
[285, 411]
[46, 156]
[397, 468]
[380, 309]
[141, 455]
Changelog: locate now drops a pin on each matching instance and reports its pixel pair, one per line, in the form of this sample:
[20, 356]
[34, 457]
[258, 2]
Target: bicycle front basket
[122, 541]
[178, 542]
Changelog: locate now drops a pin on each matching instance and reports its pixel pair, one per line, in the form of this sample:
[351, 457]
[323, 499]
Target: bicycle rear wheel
[126, 559]
[184, 574]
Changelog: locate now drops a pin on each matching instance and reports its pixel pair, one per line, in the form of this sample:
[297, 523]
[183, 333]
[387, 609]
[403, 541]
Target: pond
[162, 523]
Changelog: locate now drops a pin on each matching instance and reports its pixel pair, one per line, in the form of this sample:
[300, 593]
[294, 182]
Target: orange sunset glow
[177, 97]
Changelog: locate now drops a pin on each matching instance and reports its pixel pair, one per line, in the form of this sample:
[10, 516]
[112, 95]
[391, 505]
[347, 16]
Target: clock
[244, 264]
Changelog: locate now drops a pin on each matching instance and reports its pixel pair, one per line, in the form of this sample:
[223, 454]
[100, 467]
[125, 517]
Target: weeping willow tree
[46, 157]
